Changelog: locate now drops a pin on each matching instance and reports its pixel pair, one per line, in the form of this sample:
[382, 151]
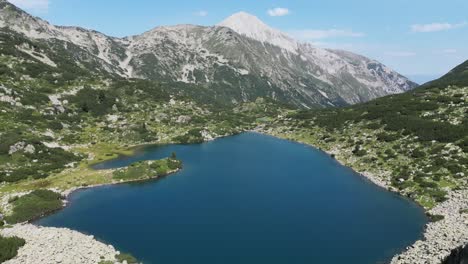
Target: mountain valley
[71, 98]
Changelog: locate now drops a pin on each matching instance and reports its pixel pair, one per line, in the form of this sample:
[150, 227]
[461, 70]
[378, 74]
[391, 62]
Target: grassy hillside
[55, 121]
[417, 141]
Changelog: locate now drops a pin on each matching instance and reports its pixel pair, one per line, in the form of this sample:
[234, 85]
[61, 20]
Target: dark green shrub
[417, 153]
[427, 184]
[373, 126]
[96, 102]
[34, 205]
[126, 257]
[358, 151]
[454, 168]
[435, 218]
[174, 164]
[9, 247]
[438, 195]
[387, 137]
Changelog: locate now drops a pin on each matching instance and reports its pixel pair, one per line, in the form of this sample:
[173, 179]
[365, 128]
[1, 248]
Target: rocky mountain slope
[237, 61]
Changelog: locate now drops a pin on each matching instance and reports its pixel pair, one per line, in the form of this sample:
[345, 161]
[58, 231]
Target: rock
[206, 135]
[46, 245]
[112, 118]
[183, 119]
[441, 237]
[16, 147]
[30, 149]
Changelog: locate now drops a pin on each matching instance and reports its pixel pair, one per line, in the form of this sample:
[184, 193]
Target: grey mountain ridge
[238, 60]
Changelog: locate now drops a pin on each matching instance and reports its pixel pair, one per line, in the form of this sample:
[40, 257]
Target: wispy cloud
[279, 11]
[400, 53]
[201, 13]
[313, 34]
[32, 5]
[434, 27]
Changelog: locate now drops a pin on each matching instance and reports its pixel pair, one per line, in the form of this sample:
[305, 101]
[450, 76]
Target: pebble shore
[440, 237]
[49, 245]
[60, 245]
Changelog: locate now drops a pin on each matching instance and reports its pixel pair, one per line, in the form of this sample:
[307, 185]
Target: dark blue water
[246, 199]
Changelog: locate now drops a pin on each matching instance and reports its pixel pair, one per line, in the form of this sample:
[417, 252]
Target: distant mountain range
[238, 60]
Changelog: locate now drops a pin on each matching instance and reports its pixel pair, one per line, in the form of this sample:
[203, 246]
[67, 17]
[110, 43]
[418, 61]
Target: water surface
[246, 199]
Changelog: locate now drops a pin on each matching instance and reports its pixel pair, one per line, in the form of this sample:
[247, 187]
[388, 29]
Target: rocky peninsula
[58, 245]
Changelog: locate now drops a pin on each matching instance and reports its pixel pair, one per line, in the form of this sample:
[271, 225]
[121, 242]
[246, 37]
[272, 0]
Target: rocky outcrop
[441, 237]
[48, 245]
[458, 256]
[22, 146]
[183, 119]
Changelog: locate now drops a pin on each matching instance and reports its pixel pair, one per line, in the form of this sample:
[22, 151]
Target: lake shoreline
[438, 238]
[58, 245]
[36, 236]
[414, 254]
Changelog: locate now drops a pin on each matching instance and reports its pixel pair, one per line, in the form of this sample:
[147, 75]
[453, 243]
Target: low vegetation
[435, 218]
[126, 257]
[9, 247]
[147, 169]
[33, 205]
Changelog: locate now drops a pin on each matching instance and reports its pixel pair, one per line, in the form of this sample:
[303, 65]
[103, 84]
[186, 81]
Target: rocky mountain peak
[252, 27]
[239, 59]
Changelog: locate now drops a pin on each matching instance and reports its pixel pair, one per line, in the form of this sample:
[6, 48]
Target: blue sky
[419, 38]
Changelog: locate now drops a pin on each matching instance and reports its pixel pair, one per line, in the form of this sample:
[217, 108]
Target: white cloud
[32, 5]
[312, 34]
[449, 51]
[279, 11]
[201, 13]
[400, 53]
[434, 27]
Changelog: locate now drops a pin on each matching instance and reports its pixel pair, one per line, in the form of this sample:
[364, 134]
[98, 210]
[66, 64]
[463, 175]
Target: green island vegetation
[126, 257]
[121, 258]
[147, 169]
[9, 247]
